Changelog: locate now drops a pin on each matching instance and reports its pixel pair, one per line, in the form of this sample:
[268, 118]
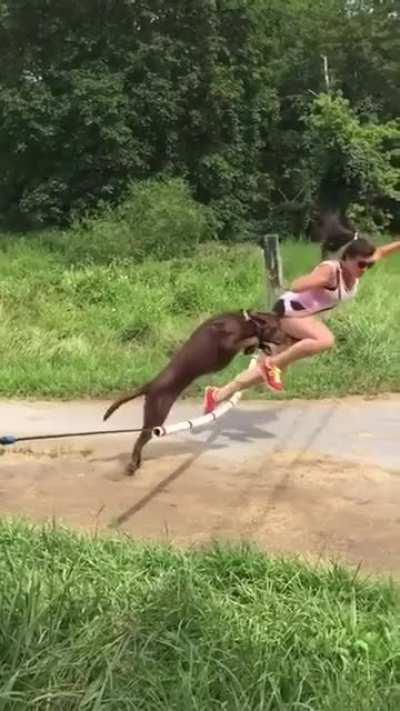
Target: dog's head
[269, 329]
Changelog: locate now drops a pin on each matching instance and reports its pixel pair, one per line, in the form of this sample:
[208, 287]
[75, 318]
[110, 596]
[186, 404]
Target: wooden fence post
[273, 266]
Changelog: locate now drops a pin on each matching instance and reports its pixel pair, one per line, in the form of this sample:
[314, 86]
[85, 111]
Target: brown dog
[210, 348]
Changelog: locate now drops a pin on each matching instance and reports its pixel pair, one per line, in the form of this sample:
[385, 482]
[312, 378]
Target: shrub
[158, 219]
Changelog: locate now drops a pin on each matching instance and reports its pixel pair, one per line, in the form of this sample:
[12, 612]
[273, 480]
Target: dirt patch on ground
[292, 503]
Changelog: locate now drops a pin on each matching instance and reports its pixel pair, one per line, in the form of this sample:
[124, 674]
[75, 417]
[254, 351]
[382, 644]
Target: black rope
[10, 439]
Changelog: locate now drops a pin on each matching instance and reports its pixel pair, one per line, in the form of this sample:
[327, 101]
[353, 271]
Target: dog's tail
[126, 398]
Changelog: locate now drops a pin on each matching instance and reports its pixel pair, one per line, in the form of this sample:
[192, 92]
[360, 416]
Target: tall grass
[112, 624]
[75, 326]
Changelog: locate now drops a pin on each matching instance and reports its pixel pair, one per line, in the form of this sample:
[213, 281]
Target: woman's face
[357, 266]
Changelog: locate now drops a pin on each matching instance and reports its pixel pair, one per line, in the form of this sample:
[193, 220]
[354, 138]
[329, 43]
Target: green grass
[112, 624]
[72, 325]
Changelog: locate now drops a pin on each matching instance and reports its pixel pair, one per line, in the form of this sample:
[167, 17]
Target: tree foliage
[222, 93]
[349, 160]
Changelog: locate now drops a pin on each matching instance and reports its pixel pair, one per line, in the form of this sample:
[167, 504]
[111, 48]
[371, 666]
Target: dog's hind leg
[136, 458]
[156, 408]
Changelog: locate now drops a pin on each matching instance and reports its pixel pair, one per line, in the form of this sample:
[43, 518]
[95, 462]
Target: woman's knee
[321, 342]
[326, 341]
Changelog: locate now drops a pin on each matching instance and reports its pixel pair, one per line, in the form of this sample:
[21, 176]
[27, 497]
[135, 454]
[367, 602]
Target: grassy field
[112, 624]
[77, 319]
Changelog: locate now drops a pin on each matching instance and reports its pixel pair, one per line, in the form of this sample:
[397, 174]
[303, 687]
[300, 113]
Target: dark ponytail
[335, 233]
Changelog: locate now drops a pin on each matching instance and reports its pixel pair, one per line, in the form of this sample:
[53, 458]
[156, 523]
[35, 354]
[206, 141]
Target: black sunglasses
[363, 264]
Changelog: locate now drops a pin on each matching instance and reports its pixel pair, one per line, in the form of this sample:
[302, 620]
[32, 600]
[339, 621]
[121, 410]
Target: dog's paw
[132, 468]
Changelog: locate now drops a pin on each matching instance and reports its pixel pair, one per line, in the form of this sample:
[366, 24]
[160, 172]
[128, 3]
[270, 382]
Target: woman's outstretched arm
[386, 250]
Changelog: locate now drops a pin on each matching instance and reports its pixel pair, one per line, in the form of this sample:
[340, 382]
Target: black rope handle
[7, 440]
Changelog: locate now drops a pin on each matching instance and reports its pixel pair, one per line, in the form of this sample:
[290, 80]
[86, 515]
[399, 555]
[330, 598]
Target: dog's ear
[271, 326]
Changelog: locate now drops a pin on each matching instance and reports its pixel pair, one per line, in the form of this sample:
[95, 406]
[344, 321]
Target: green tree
[97, 95]
[349, 160]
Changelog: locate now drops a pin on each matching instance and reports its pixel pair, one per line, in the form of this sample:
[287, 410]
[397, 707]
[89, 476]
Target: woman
[331, 283]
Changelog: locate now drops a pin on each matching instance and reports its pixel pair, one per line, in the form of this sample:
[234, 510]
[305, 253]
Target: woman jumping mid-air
[331, 283]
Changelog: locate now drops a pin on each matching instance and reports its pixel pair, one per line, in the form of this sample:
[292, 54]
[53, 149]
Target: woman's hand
[321, 277]
[386, 250]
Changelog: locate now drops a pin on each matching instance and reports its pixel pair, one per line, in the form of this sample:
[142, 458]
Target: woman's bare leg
[245, 379]
[313, 337]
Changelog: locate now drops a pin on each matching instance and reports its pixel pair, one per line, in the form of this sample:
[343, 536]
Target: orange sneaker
[209, 402]
[272, 377]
